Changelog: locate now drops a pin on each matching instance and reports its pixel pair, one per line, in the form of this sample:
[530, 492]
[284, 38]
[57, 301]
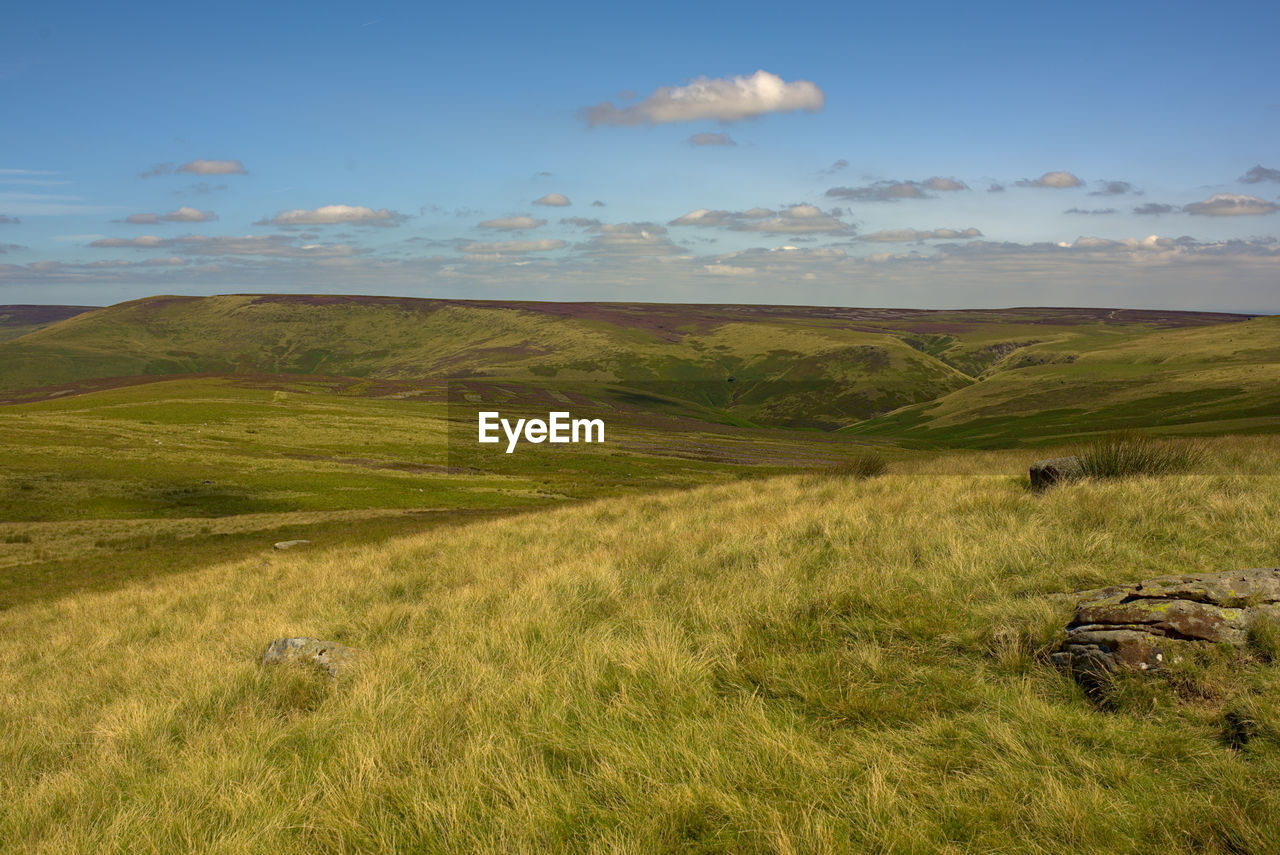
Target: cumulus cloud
[283, 246]
[581, 222]
[1056, 180]
[1115, 188]
[995, 188]
[512, 224]
[1259, 174]
[197, 167]
[1154, 209]
[1094, 211]
[909, 235]
[794, 219]
[6, 247]
[728, 270]
[554, 200]
[182, 215]
[629, 240]
[329, 215]
[711, 139]
[8, 221]
[504, 247]
[835, 167]
[1231, 205]
[213, 167]
[597, 204]
[724, 99]
[892, 191]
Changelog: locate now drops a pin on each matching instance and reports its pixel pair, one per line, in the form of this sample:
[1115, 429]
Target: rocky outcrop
[1055, 470]
[330, 657]
[1145, 626]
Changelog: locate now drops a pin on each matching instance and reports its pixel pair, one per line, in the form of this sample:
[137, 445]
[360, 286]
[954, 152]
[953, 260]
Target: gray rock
[1144, 626]
[328, 656]
[290, 544]
[1055, 470]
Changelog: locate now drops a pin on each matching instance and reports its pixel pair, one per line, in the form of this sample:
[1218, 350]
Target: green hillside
[798, 665]
[790, 366]
[1215, 379]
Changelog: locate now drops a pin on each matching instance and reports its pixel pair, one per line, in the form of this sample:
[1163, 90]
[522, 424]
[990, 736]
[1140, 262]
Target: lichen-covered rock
[329, 656]
[1055, 470]
[290, 544]
[1142, 627]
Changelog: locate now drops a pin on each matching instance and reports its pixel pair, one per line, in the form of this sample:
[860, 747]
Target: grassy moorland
[777, 365]
[162, 477]
[803, 664]
[793, 604]
[1208, 380]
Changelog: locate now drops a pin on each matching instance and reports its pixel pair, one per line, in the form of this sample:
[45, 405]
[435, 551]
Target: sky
[926, 155]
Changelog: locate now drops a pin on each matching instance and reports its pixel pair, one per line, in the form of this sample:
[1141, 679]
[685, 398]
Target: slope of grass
[163, 477]
[785, 366]
[1211, 380]
[806, 664]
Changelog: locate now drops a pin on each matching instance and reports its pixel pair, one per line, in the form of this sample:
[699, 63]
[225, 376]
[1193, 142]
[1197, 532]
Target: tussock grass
[1128, 454]
[867, 465]
[792, 665]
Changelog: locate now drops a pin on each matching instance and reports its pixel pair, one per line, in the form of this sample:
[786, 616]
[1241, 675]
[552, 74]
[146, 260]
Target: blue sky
[933, 155]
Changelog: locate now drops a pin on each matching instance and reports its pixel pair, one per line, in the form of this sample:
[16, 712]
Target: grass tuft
[1128, 454]
[861, 466]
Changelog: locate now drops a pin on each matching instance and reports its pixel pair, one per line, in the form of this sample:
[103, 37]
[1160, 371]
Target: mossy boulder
[1144, 626]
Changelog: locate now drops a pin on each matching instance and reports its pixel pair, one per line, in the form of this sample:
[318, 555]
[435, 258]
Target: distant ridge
[926, 375]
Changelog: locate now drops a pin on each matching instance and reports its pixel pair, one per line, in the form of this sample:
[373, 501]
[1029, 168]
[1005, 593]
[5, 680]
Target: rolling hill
[1210, 380]
[815, 367]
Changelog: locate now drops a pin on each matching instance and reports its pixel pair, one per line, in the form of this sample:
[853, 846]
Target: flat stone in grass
[328, 656]
[1145, 626]
[1055, 470]
[290, 544]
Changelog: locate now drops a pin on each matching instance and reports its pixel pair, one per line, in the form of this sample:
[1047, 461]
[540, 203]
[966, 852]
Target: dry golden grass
[798, 665]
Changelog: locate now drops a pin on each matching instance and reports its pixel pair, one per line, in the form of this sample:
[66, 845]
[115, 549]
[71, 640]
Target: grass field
[799, 601]
[164, 477]
[803, 664]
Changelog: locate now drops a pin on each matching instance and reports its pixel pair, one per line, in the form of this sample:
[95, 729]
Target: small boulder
[1143, 626]
[1055, 470]
[328, 656]
[290, 544]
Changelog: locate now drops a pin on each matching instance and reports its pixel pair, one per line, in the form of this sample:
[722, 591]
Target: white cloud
[282, 246]
[1056, 180]
[892, 191]
[213, 167]
[794, 219]
[182, 215]
[910, 235]
[728, 270]
[513, 246]
[554, 200]
[328, 215]
[511, 224]
[629, 240]
[725, 99]
[1231, 205]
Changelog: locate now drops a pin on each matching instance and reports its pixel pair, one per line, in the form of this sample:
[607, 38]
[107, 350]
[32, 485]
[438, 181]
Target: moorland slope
[779, 365]
[805, 664]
